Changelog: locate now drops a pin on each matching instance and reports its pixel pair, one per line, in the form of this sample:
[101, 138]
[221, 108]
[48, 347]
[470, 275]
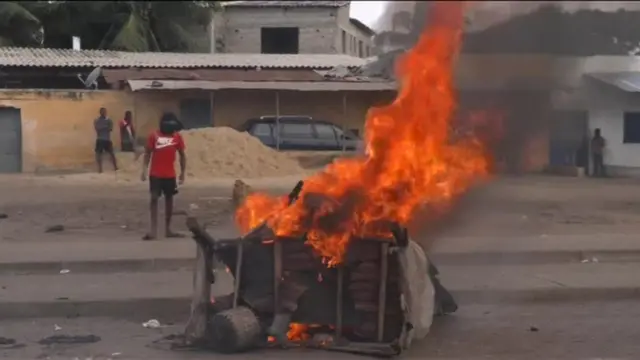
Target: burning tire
[234, 330]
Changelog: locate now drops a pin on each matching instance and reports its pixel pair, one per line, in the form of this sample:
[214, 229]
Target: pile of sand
[222, 152]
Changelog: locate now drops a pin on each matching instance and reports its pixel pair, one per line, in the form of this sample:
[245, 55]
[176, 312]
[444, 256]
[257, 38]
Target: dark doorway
[196, 113]
[568, 138]
[279, 40]
[10, 140]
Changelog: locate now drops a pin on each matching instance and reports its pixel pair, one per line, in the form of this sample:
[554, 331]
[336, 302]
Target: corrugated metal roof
[288, 4]
[160, 85]
[36, 57]
[628, 81]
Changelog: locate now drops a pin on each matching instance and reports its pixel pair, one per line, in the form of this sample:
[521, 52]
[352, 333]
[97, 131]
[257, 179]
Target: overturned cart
[376, 302]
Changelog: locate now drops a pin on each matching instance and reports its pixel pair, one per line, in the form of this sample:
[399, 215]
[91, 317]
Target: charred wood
[295, 193]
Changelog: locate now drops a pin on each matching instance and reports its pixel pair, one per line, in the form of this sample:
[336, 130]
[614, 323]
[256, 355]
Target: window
[325, 132]
[368, 51]
[350, 134]
[360, 49]
[196, 113]
[344, 42]
[631, 128]
[297, 131]
[279, 40]
[261, 130]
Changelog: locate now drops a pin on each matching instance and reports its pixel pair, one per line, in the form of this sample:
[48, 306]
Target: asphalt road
[590, 330]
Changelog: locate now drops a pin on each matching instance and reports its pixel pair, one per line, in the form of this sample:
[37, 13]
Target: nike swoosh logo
[162, 146]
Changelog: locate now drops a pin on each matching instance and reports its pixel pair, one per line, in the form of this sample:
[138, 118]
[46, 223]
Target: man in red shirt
[159, 159]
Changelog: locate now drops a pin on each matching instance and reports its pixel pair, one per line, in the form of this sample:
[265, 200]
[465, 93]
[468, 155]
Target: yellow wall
[57, 125]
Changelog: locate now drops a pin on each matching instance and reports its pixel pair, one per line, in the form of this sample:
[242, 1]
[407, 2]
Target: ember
[411, 157]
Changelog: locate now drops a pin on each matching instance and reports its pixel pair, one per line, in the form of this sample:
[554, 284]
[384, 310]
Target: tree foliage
[117, 25]
[551, 30]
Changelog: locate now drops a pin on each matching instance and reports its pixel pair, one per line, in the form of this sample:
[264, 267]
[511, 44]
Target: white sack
[418, 294]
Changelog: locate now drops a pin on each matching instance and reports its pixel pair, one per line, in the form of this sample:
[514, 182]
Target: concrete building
[290, 27]
[46, 113]
[559, 101]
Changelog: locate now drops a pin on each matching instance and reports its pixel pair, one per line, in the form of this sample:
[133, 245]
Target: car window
[261, 129]
[348, 134]
[297, 131]
[325, 131]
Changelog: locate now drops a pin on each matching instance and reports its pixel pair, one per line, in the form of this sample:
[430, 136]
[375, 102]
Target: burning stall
[331, 265]
[375, 301]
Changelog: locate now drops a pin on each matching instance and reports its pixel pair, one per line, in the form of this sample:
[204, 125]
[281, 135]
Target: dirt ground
[477, 332]
[91, 206]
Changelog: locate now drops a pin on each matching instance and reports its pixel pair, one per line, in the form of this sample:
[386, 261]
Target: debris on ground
[69, 339]
[65, 271]
[3, 216]
[8, 344]
[152, 324]
[54, 228]
[533, 329]
[222, 152]
[56, 327]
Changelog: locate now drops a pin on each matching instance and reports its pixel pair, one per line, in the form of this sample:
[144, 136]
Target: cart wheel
[234, 330]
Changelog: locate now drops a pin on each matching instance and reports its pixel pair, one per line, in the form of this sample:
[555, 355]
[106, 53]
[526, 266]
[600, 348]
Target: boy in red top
[159, 158]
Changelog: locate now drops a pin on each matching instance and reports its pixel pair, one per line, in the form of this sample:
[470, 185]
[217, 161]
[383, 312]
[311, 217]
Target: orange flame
[412, 159]
[298, 332]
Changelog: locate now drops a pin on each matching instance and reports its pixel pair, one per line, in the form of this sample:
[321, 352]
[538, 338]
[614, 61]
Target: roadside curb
[96, 266]
[439, 258]
[176, 310]
[544, 257]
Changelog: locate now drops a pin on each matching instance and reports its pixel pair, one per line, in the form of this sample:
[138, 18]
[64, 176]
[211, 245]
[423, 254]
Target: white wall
[606, 106]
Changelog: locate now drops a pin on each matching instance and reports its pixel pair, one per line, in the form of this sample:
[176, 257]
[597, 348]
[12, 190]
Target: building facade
[44, 128]
[290, 27]
[556, 102]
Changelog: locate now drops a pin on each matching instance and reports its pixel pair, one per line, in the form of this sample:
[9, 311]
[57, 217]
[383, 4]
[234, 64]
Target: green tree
[116, 25]
[18, 26]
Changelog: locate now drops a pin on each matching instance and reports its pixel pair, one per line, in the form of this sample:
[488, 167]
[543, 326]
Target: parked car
[302, 133]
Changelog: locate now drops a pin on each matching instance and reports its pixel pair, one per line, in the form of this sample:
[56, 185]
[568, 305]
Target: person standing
[127, 133]
[598, 145]
[103, 127]
[159, 160]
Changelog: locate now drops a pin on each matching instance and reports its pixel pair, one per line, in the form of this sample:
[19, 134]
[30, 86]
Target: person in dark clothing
[159, 159]
[103, 127]
[598, 145]
[127, 133]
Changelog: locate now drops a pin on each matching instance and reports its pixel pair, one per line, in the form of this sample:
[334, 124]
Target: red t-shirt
[163, 154]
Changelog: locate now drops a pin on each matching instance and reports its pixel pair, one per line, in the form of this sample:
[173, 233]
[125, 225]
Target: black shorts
[103, 146]
[162, 186]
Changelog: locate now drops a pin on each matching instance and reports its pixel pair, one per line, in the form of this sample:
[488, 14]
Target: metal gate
[10, 140]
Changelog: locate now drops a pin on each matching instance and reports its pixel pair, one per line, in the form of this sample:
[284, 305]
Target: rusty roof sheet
[159, 85]
[58, 58]
[287, 4]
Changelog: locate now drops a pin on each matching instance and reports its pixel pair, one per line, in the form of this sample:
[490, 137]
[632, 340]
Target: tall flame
[412, 158]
